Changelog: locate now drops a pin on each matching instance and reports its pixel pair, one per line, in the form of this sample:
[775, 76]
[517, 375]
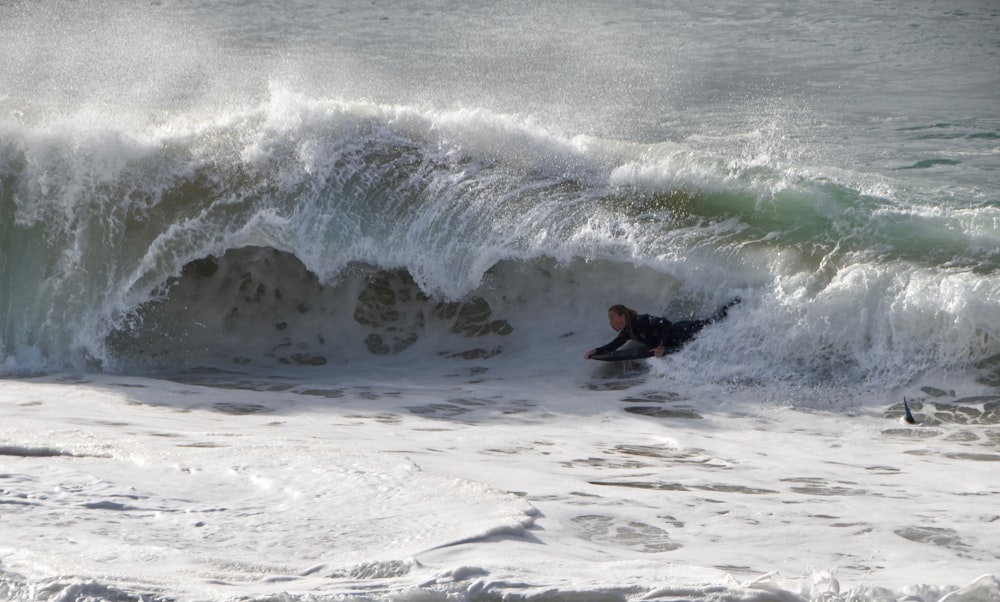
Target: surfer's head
[618, 316]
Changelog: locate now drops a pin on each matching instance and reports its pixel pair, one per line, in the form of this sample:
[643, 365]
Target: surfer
[659, 335]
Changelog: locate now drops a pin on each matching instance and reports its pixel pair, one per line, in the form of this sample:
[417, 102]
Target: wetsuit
[653, 331]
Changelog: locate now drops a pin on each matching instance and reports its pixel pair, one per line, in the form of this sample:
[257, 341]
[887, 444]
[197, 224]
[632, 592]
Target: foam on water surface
[492, 488]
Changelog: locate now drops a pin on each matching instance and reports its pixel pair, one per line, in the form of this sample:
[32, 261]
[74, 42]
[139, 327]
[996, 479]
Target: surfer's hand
[659, 351]
[587, 355]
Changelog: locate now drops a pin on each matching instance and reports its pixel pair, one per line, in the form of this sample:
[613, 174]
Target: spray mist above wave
[98, 220]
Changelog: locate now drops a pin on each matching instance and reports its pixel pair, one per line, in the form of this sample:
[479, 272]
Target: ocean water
[294, 299]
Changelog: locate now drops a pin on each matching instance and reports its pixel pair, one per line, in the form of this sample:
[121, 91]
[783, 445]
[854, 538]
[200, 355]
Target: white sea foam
[484, 485]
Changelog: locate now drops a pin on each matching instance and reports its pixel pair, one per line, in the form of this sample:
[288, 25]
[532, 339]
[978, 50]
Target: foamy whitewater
[295, 299]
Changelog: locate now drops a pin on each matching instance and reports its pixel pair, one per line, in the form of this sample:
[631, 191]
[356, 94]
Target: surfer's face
[617, 321]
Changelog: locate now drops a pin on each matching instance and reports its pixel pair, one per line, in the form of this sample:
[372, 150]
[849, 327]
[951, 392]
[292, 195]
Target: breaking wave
[314, 232]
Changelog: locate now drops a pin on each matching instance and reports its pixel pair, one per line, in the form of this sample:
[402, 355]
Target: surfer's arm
[620, 340]
[660, 349]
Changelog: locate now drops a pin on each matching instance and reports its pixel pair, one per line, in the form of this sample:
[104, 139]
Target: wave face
[316, 231]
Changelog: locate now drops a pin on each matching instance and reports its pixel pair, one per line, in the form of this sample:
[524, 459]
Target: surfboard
[623, 354]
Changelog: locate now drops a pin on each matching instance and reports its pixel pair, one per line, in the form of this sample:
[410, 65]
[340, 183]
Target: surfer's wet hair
[622, 310]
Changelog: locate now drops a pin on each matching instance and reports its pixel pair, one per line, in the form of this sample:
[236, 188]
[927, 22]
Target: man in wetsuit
[660, 335]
